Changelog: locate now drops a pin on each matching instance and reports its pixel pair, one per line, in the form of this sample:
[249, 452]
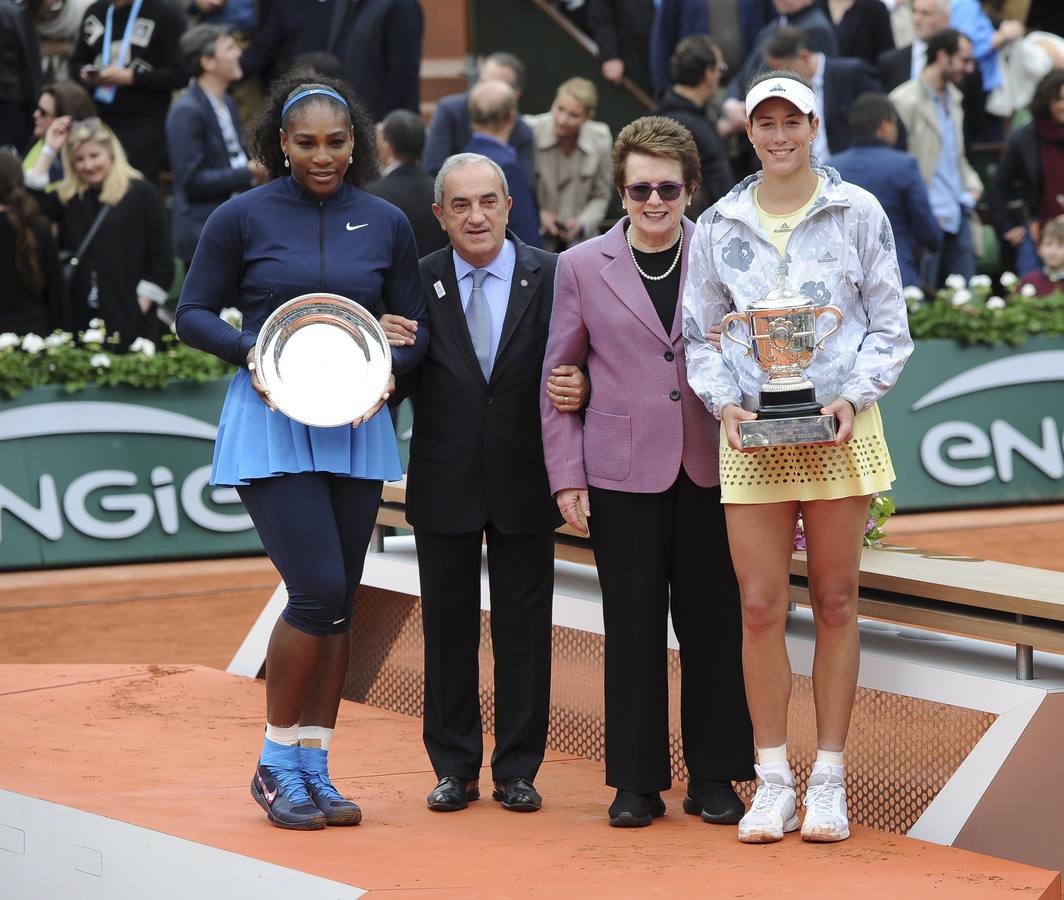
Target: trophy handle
[837, 313]
[725, 328]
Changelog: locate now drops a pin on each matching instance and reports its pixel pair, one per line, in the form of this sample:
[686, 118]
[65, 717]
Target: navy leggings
[315, 528]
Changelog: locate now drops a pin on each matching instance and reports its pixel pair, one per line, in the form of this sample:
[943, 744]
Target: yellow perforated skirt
[776, 474]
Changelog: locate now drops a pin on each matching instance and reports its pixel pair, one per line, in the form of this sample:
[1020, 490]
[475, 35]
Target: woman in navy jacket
[313, 493]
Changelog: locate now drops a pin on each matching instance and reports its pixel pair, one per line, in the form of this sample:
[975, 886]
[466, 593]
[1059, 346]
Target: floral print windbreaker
[841, 253]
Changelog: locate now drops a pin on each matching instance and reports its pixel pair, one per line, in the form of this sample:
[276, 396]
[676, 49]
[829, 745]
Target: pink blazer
[643, 420]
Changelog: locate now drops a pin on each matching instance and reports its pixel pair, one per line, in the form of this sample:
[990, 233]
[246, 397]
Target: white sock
[773, 760]
[831, 762]
[315, 736]
[287, 737]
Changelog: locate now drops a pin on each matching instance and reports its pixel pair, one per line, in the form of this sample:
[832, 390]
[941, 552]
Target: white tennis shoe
[773, 811]
[825, 809]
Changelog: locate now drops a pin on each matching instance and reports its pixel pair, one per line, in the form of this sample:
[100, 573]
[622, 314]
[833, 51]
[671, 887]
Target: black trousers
[655, 552]
[521, 578]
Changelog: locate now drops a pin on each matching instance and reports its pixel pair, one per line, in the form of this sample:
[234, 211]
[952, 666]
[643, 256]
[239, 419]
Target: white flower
[232, 316]
[979, 281]
[143, 346]
[8, 340]
[1008, 279]
[92, 336]
[32, 343]
[995, 303]
[915, 305]
[957, 282]
[57, 339]
[961, 297]
[100, 361]
[97, 323]
[912, 293]
[1028, 290]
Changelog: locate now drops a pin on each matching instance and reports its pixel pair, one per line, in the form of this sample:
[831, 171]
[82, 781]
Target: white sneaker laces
[820, 798]
[768, 792]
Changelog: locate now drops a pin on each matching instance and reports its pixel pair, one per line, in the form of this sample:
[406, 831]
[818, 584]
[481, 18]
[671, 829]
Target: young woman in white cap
[798, 224]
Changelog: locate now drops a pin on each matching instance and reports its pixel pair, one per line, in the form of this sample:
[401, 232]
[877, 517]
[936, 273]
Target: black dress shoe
[517, 794]
[632, 810]
[715, 801]
[453, 793]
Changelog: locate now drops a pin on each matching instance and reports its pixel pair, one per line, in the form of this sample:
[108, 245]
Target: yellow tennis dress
[802, 472]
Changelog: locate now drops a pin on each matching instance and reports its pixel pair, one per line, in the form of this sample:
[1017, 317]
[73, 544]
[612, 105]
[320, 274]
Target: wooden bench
[970, 597]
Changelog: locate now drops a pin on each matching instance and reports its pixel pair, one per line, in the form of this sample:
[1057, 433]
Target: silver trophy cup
[783, 342]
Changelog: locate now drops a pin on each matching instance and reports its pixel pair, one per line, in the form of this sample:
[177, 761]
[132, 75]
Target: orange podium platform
[130, 781]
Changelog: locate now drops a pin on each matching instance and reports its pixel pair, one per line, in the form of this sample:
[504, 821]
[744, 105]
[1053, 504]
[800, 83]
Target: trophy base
[776, 432]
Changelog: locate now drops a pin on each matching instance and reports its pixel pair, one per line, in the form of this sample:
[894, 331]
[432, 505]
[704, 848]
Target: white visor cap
[794, 92]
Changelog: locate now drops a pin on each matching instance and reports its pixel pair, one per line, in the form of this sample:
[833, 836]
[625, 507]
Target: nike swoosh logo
[351, 227]
[269, 795]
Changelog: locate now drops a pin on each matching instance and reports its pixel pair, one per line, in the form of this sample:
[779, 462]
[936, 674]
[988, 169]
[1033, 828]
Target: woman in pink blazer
[642, 461]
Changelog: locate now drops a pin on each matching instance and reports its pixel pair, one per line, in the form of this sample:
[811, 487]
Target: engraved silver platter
[324, 359]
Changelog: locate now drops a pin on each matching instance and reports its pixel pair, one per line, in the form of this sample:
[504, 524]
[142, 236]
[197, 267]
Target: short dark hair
[948, 40]
[868, 112]
[405, 132]
[1047, 91]
[71, 99]
[503, 58]
[693, 55]
[197, 42]
[786, 43]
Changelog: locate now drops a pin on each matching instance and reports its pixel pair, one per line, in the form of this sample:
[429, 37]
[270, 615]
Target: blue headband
[327, 92]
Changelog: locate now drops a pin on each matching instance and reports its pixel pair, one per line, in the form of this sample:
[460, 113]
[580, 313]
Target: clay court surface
[198, 612]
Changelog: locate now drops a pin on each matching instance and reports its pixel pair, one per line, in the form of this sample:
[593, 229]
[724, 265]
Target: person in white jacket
[800, 225]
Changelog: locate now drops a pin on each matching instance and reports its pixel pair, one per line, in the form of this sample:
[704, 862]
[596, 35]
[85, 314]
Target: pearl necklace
[635, 262]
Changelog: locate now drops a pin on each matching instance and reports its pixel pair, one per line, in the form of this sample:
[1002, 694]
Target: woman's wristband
[47, 151]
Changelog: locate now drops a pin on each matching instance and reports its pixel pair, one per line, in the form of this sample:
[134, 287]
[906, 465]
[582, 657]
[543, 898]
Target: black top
[22, 310]
[664, 294]
[864, 32]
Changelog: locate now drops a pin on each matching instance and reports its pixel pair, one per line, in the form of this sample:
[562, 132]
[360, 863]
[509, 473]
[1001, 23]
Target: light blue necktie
[478, 320]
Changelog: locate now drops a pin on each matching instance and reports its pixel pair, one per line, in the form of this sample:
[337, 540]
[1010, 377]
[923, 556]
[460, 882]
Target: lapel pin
[524, 282]
[439, 290]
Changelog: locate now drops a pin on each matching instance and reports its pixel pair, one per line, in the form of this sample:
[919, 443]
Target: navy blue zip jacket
[276, 242]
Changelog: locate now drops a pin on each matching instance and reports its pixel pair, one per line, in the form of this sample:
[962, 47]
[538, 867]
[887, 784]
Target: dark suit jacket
[199, 160]
[621, 28]
[865, 31]
[477, 453]
[410, 188]
[893, 177]
[524, 214]
[895, 68]
[449, 132]
[379, 44]
[717, 178]
[844, 81]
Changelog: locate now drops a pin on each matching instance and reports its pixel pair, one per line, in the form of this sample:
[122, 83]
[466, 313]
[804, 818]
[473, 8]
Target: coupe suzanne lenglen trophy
[324, 359]
[783, 342]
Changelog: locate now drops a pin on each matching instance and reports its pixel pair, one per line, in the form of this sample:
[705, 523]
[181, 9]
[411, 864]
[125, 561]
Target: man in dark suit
[621, 28]
[403, 183]
[379, 44]
[893, 177]
[837, 82]
[449, 130]
[906, 63]
[492, 116]
[476, 470]
[203, 136]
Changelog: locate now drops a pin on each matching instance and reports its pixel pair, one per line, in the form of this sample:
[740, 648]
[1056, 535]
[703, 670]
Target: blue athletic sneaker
[337, 809]
[278, 788]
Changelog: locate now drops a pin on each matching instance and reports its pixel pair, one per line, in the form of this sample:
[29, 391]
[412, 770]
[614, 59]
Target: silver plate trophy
[324, 359]
[783, 342]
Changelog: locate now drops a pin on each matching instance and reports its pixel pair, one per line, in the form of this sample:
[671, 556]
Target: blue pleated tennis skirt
[255, 442]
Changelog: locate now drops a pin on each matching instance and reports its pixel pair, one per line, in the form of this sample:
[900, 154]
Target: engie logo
[996, 446]
[164, 497]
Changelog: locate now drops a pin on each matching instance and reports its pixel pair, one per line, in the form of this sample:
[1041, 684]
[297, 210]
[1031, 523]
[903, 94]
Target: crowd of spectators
[952, 106]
